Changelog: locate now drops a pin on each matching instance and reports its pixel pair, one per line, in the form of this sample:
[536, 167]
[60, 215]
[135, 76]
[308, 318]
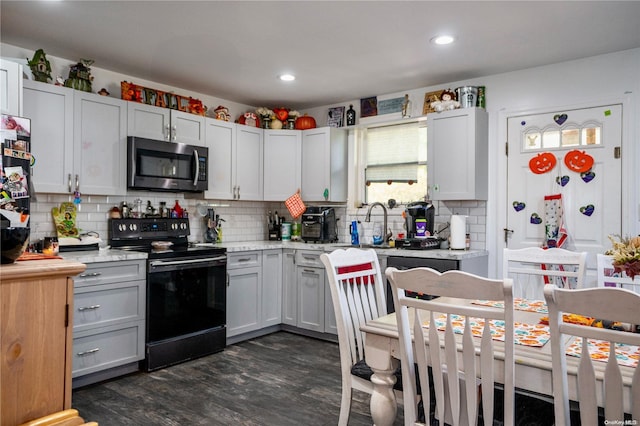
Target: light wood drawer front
[108, 347]
[244, 259]
[112, 272]
[309, 258]
[98, 306]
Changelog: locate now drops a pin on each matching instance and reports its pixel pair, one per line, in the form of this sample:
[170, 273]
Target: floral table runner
[599, 350]
[537, 306]
[524, 334]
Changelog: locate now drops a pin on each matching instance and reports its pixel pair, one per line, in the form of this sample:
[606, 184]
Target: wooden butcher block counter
[36, 301]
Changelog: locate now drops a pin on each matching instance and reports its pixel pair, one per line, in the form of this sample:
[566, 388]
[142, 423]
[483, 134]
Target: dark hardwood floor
[280, 379]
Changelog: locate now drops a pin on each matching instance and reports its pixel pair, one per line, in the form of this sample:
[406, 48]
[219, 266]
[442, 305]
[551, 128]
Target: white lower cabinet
[289, 288]
[108, 320]
[330, 324]
[244, 307]
[271, 287]
[310, 276]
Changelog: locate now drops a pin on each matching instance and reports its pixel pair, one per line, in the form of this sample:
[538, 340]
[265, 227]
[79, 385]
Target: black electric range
[185, 292]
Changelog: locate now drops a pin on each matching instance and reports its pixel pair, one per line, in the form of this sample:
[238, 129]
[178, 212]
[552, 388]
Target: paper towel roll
[458, 232]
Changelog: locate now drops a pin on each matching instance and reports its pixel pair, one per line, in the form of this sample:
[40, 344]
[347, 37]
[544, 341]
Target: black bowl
[13, 244]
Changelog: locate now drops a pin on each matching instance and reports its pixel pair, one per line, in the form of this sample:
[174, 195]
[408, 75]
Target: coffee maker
[419, 222]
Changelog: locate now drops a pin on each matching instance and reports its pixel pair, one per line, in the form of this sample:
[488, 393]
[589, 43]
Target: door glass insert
[570, 137]
[536, 139]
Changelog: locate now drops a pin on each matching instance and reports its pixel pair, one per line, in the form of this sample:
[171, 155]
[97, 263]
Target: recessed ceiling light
[287, 77]
[443, 39]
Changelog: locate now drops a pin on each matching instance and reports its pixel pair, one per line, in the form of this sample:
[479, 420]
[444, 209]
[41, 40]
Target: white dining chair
[607, 277]
[532, 267]
[358, 295]
[613, 304]
[454, 361]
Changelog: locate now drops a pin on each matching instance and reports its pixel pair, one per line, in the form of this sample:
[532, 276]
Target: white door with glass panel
[570, 158]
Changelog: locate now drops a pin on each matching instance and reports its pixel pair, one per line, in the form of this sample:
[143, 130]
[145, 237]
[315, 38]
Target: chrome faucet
[387, 235]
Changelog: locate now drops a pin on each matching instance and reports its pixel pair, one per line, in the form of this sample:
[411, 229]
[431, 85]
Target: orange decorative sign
[542, 163]
[578, 161]
[145, 95]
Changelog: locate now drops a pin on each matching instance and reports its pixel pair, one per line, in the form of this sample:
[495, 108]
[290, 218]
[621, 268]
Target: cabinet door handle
[77, 183]
[310, 271]
[91, 274]
[167, 133]
[88, 308]
[174, 128]
[89, 352]
[69, 181]
[238, 192]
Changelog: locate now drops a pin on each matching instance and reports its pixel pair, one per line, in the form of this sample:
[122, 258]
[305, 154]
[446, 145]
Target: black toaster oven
[319, 225]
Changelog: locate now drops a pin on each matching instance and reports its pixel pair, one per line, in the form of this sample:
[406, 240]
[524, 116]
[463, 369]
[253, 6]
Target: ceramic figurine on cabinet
[447, 102]
[80, 77]
[406, 107]
[222, 113]
[40, 66]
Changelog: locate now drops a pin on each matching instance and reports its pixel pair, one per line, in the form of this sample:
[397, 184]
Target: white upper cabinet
[457, 153]
[10, 88]
[78, 140]
[100, 143]
[249, 162]
[50, 109]
[152, 122]
[235, 161]
[324, 164]
[282, 163]
[220, 139]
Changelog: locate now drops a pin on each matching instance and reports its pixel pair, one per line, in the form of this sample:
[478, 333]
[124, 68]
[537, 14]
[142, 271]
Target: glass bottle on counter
[163, 209]
[177, 210]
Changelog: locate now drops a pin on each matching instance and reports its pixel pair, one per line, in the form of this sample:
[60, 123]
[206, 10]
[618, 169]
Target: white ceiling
[339, 50]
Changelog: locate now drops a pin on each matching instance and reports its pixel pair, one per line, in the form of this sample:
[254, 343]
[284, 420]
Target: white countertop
[110, 255]
[103, 255]
[427, 254]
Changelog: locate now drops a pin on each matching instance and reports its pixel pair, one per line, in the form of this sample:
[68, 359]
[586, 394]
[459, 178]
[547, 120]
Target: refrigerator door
[15, 163]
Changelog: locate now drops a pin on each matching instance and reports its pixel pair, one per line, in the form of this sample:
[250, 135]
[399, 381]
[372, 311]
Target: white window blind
[394, 153]
[395, 162]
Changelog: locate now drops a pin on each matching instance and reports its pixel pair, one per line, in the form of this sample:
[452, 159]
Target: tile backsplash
[244, 220]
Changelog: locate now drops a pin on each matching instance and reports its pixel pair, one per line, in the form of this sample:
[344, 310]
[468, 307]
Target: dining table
[533, 366]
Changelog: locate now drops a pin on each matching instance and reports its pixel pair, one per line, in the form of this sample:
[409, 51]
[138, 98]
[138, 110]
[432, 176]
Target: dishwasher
[440, 265]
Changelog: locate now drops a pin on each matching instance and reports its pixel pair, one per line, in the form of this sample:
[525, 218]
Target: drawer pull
[88, 308]
[245, 259]
[91, 274]
[89, 352]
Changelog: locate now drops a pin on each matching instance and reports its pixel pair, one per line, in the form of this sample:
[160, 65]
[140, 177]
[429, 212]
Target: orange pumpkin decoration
[542, 163]
[578, 161]
[305, 122]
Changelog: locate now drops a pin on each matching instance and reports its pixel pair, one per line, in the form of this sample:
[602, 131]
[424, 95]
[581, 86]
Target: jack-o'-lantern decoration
[578, 161]
[542, 163]
[305, 122]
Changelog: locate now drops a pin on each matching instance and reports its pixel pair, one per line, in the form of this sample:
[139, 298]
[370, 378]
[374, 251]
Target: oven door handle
[155, 263]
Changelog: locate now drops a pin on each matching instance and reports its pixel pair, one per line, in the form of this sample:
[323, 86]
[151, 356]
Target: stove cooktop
[138, 234]
[430, 243]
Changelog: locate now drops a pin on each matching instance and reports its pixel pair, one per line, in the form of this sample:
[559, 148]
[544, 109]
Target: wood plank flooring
[280, 379]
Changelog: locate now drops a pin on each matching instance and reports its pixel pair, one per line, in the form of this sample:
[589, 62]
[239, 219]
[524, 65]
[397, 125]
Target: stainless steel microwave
[166, 166]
